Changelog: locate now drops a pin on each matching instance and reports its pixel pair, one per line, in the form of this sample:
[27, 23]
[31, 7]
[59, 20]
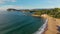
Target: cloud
[9, 6]
[4, 1]
[5, 7]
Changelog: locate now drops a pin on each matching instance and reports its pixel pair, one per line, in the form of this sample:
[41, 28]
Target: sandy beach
[52, 24]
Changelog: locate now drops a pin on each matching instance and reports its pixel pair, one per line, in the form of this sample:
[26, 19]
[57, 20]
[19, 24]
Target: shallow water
[18, 23]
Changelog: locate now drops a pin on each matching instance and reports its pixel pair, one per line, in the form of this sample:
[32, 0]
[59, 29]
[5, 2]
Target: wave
[42, 28]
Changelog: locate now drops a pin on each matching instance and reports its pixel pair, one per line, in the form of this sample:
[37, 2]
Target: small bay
[18, 23]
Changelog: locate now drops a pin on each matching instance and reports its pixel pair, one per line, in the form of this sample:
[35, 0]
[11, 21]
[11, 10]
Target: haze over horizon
[29, 4]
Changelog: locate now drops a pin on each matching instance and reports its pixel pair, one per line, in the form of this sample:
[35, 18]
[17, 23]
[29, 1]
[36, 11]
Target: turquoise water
[18, 23]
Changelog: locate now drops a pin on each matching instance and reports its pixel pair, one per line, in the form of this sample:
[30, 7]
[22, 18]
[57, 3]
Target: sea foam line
[42, 28]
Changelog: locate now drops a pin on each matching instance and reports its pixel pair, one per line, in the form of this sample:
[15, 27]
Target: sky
[29, 4]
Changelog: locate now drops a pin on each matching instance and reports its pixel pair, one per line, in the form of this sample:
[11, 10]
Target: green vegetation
[51, 12]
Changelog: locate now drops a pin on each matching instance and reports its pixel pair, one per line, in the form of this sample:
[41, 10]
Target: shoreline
[43, 28]
[51, 26]
[46, 28]
[46, 25]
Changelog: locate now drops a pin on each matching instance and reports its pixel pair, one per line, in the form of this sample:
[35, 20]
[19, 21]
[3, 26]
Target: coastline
[43, 28]
[45, 25]
[51, 26]
[35, 15]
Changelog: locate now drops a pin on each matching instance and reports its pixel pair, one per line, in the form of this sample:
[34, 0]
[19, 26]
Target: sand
[52, 24]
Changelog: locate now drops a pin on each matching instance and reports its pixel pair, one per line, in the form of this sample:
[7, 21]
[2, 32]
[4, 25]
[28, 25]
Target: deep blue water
[18, 23]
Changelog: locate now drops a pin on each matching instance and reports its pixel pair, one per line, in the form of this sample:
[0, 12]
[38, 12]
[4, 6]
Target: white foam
[41, 29]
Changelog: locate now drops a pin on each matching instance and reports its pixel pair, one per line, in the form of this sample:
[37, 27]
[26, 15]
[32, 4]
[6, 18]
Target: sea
[15, 22]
